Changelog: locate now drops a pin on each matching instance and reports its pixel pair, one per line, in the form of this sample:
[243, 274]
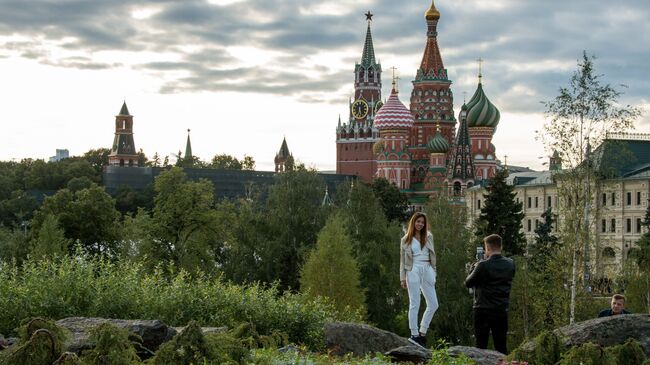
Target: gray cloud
[530, 47]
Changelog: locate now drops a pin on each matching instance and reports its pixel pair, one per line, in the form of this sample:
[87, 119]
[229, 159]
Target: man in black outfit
[491, 279]
[617, 307]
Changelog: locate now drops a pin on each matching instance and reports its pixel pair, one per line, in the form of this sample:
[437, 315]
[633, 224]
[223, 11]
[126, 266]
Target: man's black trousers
[495, 320]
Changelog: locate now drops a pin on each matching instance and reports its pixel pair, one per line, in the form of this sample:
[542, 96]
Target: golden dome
[432, 13]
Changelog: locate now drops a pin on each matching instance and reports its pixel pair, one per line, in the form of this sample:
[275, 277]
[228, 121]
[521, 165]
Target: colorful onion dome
[481, 112]
[393, 114]
[432, 13]
[438, 144]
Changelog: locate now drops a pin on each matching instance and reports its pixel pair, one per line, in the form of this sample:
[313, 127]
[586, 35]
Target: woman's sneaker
[420, 341]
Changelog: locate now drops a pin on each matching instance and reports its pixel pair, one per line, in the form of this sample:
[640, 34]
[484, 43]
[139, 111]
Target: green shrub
[40, 349]
[111, 346]
[192, 347]
[545, 350]
[94, 287]
[629, 353]
[68, 358]
[588, 354]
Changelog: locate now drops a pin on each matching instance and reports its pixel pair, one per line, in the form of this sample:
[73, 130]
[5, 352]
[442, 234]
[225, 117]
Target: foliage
[447, 222]
[41, 342]
[294, 217]
[502, 215]
[545, 349]
[331, 271]
[50, 240]
[628, 353]
[393, 201]
[87, 216]
[375, 245]
[111, 346]
[17, 209]
[89, 286]
[188, 347]
[179, 230]
[587, 354]
[227, 162]
[13, 245]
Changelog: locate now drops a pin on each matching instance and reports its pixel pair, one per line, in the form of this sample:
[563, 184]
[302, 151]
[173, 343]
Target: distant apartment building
[60, 155]
[616, 211]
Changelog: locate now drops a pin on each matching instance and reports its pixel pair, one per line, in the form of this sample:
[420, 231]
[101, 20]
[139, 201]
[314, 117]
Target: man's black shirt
[492, 280]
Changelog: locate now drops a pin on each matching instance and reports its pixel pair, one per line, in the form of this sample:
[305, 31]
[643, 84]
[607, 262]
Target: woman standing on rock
[418, 274]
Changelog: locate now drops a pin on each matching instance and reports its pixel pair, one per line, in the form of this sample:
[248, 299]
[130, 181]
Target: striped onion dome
[438, 144]
[393, 114]
[481, 112]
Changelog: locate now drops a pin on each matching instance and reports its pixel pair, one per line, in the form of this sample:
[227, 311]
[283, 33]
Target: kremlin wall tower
[423, 149]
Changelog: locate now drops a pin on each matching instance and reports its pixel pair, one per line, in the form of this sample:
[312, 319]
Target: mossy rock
[545, 349]
[112, 345]
[588, 354]
[629, 353]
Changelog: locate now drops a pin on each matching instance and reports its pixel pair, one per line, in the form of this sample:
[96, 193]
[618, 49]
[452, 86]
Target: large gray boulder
[480, 356]
[609, 331]
[152, 332]
[606, 331]
[359, 339]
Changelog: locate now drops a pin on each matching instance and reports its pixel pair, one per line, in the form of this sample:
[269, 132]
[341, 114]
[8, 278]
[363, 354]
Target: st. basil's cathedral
[419, 149]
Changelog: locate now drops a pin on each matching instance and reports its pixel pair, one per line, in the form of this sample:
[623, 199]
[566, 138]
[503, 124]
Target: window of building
[612, 225]
[638, 225]
[536, 202]
[549, 202]
[628, 225]
[530, 202]
[638, 198]
[628, 200]
[613, 198]
[478, 204]
[603, 226]
[604, 199]
[529, 225]
[536, 223]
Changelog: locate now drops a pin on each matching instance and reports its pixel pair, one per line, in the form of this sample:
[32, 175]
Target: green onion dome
[481, 112]
[438, 144]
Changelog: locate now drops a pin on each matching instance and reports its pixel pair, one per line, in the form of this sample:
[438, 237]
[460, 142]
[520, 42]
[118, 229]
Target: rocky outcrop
[152, 332]
[360, 339]
[481, 357]
[606, 331]
[410, 353]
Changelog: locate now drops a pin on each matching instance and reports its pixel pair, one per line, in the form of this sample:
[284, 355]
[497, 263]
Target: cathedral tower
[123, 152]
[355, 138]
[460, 173]
[432, 101]
[283, 159]
[394, 122]
[482, 120]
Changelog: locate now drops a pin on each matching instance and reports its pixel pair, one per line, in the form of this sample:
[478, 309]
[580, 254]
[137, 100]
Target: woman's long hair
[410, 232]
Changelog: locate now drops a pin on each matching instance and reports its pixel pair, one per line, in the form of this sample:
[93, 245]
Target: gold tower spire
[432, 13]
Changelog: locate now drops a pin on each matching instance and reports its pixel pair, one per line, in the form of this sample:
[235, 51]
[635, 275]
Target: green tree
[331, 271]
[393, 201]
[180, 230]
[98, 158]
[13, 245]
[376, 249]
[545, 244]
[226, 162]
[88, 216]
[502, 214]
[18, 209]
[294, 217]
[50, 240]
[248, 163]
[454, 250]
[580, 116]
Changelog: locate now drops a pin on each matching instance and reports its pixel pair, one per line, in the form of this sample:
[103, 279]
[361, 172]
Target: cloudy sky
[242, 74]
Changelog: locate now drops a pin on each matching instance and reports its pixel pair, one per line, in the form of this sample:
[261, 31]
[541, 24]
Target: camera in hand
[480, 254]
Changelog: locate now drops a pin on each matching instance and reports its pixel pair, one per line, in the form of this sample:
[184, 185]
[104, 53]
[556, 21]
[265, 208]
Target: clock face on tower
[359, 109]
[378, 106]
